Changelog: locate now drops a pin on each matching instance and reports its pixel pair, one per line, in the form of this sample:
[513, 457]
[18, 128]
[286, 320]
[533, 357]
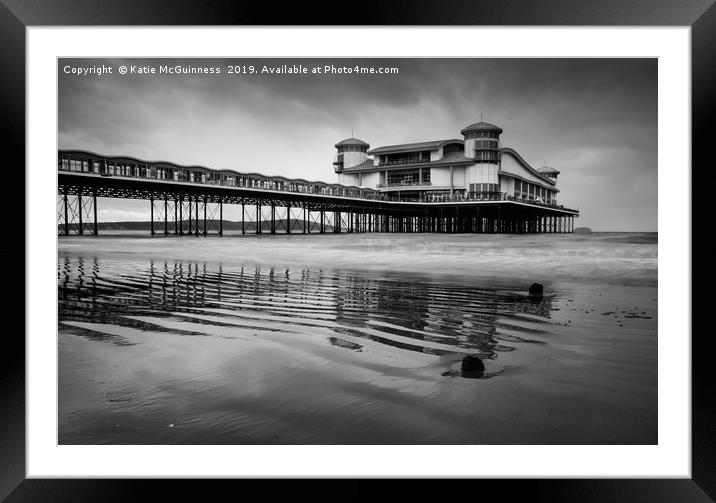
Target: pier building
[474, 167]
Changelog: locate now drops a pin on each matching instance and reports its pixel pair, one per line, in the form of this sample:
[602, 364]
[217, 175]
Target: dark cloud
[593, 119]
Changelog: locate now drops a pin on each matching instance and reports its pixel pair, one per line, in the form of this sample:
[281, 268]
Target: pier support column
[94, 210]
[189, 215]
[204, 231]
[196, 216]
[151, 219]
[273, 218]
[243, 219]
[181, 217]
[79, 213]
[304, 218]
[322, 230]
[75, 212]
[258, 218]
[67, 217]
[221, 216]
[166, 218]
[288, 219]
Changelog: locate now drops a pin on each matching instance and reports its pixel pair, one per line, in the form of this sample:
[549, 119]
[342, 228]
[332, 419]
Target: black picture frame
[17, 15]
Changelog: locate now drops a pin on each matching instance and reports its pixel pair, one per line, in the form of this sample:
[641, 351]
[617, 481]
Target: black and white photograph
[374, 251]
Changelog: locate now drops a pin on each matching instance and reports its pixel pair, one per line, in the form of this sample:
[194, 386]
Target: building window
[488, 144]
[484, 188]
[406, 158]
[518, 188]
[452, 147]
[482, 134]
[411, 177]
[487, 155]
[352, 148]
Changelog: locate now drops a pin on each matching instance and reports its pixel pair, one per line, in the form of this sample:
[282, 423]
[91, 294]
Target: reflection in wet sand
[410, 315]
[188, 352]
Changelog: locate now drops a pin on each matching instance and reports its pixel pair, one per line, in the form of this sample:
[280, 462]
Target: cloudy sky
[595, 120]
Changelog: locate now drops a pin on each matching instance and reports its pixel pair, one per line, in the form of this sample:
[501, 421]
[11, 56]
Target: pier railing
[404, 184]
[404, 162]
[467, 197]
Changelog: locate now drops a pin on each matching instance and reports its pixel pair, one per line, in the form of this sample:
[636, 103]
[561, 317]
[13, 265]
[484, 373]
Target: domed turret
[481, 126]
[482, 142]
[351, 152]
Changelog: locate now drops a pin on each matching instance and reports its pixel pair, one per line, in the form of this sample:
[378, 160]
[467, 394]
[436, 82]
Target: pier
[190, 200]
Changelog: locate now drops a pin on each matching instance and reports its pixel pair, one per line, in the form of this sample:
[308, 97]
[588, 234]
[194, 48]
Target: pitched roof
[411, 147]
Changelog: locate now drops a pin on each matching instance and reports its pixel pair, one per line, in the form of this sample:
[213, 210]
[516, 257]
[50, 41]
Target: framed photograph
[457, 248]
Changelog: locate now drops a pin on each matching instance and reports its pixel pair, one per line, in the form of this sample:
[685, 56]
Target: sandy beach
[240, 340]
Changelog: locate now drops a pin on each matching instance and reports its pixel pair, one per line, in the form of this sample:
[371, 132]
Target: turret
[482, 142]
[351, 152]
[549, 172]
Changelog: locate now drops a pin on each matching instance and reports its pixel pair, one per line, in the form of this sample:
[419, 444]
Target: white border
[670, 458]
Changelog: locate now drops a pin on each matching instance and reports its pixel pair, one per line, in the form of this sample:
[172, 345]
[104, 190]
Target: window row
[412, 177]
[487, 155]
[482, 134]
[405, 158]
[352, 148]
[484, 187]
[526, 190]
[112, 168]
[493, 144]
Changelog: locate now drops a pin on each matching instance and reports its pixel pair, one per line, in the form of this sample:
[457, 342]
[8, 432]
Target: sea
[357, 339]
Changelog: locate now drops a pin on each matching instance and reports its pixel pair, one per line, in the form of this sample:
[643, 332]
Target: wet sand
[357, 340]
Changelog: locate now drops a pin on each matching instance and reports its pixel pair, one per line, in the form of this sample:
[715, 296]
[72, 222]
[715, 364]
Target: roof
[410, 147]
[547, 169]
[518, 157]
[481, 126]
[364, 165]
[451, 158]
[352, 141]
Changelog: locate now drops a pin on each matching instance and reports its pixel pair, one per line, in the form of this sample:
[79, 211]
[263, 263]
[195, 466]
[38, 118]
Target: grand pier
[190, 200]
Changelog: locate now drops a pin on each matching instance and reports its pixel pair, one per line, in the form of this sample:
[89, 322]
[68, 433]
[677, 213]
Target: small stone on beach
[472, 366]
[536, 290]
